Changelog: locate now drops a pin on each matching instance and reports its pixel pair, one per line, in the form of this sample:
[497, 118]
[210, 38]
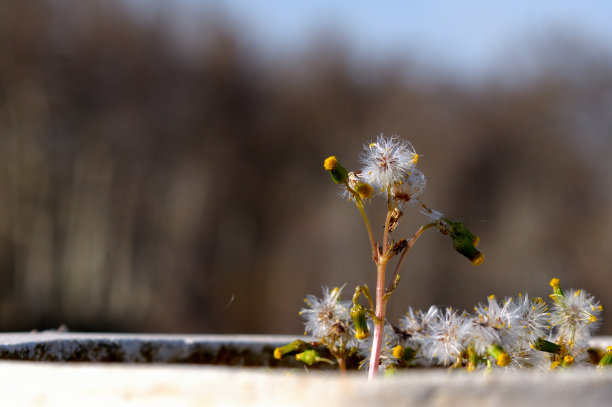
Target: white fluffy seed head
[327, 318]
[418, 324]
[531, 319]
[493, 324]
[445, 343]
[575, 315]
[411, 189]
[388, 162]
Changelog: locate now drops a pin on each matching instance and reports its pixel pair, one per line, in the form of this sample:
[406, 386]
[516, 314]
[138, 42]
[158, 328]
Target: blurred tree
[152, 185]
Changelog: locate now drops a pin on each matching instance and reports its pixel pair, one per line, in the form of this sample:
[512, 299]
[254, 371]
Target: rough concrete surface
[45, 384]
[232, 350]
[134, 384]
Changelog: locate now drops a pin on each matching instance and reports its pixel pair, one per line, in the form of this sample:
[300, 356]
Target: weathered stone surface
[228, 350]
[44, 384]
[115, 384]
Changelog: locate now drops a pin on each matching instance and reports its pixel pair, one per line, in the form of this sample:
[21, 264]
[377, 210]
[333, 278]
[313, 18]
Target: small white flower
[491, 325]
[482, 330]
[388, 162]
[445, 343]
[418, 324]
[411, 189]
[574, 316]
[528, 358]
[531, 319]
[327, 318]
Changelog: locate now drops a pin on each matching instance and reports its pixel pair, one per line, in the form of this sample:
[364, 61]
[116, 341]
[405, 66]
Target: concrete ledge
[137, 383]
[228, 350]
[44, 384]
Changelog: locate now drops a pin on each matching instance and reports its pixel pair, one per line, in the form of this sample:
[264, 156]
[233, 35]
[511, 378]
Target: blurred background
[161, 162]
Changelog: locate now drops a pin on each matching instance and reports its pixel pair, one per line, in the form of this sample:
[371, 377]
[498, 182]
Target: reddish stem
[381, 301]
[379, 324]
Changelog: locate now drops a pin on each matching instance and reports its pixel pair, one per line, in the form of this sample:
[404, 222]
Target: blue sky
[467, 36]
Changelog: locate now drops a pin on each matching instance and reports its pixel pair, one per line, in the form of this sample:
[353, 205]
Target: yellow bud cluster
[478, 260]
[398, 352]
[330, 163]
[503, 359]
[364, 190]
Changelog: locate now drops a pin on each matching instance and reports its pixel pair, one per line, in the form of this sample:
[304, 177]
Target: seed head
[411, 188]
[388, 162]
[445, 343]
[575, 315]
[327, 318]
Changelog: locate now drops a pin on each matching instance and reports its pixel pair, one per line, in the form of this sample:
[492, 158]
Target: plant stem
[359, 203]
[379, 324]
[381, 299]
[385, 248]
[401, 259]
[341, 365]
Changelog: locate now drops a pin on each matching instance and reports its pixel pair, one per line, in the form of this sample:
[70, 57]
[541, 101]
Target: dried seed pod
[395, 217]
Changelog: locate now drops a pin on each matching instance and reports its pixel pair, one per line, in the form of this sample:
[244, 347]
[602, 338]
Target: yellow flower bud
[358, 314]
[555, 283]
[503, 359]
[464, 241]
[501, 356]
[290, 349]
[398, 352]
[338, 173]
[330, 163]
[364, 190]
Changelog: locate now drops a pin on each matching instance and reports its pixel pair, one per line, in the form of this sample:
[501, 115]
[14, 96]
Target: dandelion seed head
[388, 162]
[411, 188]
[327, 318]
[531, 319]
[575, 316]
[445, 343]
[491, 325]
[419, 324]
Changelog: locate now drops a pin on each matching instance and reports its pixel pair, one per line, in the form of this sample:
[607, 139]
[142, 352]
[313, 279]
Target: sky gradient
[468, 36]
